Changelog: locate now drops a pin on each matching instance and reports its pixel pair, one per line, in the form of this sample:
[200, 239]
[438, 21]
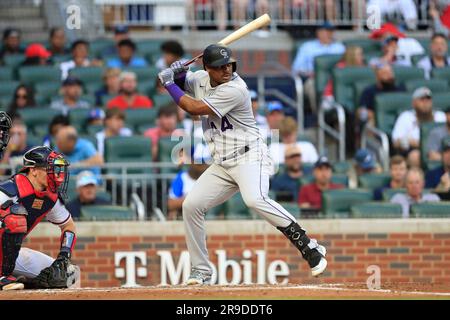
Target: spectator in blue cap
[365, 163]
[87, 186]
[304, 60]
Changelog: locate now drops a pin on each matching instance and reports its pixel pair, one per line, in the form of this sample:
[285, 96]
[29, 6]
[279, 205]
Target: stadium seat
[139, 120]
[161, 100]
[403, 74]
[13, 60]
[102, 213]
[337, 203]
[58, 58]
[237, 209]
[342, 167]
[38, 117]
[435, 85]
[389, 193]
[431, 210]
[128, 150]
[147, 88]
[47, 90]
[425, 129]
[416, 58]
[78, 118]
[425, 43]
[323, 66]
[387, 108]
[441, 73]
[376, 210]
[38, 74]
[97, 47]
[149, 47]
[336, 178]
[166, 146]
[93, 129]
[7, 89]
[343, 84]
[6, 73]
[89, 75]
[441, 100]
[373, 180]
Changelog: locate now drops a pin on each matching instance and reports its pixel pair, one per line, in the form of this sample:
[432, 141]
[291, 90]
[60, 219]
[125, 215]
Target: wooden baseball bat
[260, 22]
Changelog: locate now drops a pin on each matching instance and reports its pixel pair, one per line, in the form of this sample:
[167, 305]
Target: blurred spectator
[128, 97]
[398, 169]
[438, 57]
[57, 41]
[303, 64]
[23, 98]
[166, 126]
[310, 195]
[96, 117]
[353, 57]
[261, 121]
[111, 86]
[114, 126]
[406, 46]
[437, 135]
[80, 58]
[11, 42]
[57, 123]
[80, 152]
[71, 92]
[385, 82]
[126, 56]
[440, 13]
[219, 7]
[406, 132]
[121, 32]
[389, 46]
[274, 116]
[288, 136]
[364, 163]
[17, 145]
[286, 185]
[171, 51]
[87, 185]
[439, 177]
[414, 192]
[36, 55]
[402, 12]
[240, 9]
[182, 184]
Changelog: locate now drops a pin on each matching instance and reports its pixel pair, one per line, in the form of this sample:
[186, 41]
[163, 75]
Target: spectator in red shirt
[310, 195]
[166, 126]
[128, 97]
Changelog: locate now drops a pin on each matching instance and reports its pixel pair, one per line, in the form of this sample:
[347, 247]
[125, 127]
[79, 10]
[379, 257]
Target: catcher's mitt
[55, 276]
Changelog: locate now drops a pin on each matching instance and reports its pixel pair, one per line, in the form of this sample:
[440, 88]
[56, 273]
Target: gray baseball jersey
[232, 130]
[241, 162]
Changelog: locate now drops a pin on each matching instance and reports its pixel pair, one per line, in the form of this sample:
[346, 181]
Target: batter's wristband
[68, 239]
[175, 92]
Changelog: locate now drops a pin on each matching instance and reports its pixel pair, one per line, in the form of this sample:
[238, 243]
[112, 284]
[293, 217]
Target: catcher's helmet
[216, 55]
[5, 125]
[55, 163]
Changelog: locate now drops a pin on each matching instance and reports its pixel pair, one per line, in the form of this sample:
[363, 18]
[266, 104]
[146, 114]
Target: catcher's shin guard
[13, 228]
[309, 248]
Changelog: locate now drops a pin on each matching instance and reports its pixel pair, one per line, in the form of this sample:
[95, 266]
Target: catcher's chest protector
[37, 204]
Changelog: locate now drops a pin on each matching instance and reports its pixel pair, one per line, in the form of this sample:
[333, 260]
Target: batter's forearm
[188, 104]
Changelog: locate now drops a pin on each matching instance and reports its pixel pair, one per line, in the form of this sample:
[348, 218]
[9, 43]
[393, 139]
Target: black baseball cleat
[10, 283]
[317, 261]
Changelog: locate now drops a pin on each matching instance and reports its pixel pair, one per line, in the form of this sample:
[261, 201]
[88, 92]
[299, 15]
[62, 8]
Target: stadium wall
[153, 253]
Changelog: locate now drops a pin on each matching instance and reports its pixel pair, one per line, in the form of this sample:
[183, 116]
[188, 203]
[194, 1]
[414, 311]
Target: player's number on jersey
[225, 125]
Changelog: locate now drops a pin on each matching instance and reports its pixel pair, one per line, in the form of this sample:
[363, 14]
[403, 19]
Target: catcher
[36, 192]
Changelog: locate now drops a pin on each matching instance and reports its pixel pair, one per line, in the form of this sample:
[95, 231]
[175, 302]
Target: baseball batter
[241, 159]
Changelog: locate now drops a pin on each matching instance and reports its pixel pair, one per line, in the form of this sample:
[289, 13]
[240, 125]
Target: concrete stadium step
[19, 12]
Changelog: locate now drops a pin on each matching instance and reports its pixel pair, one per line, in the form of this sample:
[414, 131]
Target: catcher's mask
[5, 125]
[216, 55]
[56, 166]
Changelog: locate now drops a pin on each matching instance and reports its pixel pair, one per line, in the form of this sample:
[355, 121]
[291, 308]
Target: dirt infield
[335, 291]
